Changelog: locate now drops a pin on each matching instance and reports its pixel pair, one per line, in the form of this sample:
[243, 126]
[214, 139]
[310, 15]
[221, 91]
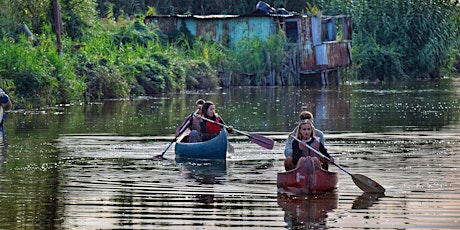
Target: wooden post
[57, 26]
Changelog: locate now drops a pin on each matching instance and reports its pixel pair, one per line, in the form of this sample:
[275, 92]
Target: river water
[94, 166]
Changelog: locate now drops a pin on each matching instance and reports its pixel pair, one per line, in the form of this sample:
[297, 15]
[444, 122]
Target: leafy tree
[32, 13]
[78, 16]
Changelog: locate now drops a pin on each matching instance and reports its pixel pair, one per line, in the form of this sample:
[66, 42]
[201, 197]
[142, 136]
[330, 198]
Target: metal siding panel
[165, 24]
[331, 30]
[190, 24]
[259, 27]
[207, 29]
[240, 28]
[314, 55]
[307, 56]
[237, 30]
[316, 29]
[321, 54]
[338, 54]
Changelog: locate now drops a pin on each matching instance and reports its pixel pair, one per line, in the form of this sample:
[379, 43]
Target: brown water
[94, 167]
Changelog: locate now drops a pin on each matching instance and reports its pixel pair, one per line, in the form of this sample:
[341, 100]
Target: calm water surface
[94, 166]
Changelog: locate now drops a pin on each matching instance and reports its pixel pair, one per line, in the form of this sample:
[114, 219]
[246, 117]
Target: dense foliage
[132, 7]
[108, 52]
[402, 39]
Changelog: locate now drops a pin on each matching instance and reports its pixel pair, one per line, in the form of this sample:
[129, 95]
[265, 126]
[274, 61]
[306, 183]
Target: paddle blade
[183, 135]
[367, 184]
[262, 141]
[160, 156]
[230, 148]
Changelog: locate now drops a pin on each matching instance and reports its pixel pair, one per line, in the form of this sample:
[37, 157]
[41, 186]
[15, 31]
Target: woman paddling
[306, 134]
[210, 130]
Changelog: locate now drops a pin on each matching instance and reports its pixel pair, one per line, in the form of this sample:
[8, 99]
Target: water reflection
[3, 151]
[308, 211]
[367, 200]
[94, 166]
[204, 171]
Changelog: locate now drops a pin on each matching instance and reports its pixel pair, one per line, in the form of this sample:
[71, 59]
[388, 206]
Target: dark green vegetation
[402, 39]
[108, 52]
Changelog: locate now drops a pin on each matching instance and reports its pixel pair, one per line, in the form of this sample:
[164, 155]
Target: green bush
[37, 76]
[401, 39]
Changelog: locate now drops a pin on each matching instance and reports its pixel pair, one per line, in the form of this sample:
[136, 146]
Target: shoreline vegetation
[105, 55]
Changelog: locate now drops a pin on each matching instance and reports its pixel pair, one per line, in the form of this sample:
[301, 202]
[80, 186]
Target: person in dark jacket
[5, 100]
[306, 134]
[5, 103]
[319, 135]
[193, 122]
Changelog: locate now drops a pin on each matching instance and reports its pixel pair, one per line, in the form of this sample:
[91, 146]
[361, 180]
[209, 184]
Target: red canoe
[306, 179]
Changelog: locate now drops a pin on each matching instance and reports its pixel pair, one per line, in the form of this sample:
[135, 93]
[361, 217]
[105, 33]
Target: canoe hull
[214, 149]
[307, 179]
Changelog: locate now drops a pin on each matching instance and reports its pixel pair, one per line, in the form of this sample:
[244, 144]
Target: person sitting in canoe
[306, 134]
[304, 115]
[193, 123]
[210, 130]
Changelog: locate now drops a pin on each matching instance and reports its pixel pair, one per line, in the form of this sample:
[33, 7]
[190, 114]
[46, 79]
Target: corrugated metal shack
[322, 44]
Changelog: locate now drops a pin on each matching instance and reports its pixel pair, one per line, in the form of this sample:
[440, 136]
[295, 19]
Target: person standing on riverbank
[5, 100]
[304, 115]
[6, 104]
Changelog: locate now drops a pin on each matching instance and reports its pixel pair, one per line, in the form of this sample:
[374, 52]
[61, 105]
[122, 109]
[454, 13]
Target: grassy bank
[120, 56]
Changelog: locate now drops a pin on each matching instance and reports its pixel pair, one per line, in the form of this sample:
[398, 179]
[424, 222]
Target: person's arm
[288, 147]
[320, 136]
[323, 150]
[296, 152]
[182, 126]
[203, 127]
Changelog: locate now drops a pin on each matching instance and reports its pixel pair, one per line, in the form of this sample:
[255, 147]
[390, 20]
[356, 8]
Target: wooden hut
[318, 44]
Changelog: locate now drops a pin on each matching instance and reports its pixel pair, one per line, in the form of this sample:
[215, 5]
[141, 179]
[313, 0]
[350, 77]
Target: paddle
[184, 127]
[364, 183]
[230, 147]
[255, 138]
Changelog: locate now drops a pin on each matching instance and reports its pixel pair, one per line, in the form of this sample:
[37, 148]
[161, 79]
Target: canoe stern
[213, 149]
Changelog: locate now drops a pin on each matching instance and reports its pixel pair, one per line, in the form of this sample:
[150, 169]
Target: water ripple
[117, 183]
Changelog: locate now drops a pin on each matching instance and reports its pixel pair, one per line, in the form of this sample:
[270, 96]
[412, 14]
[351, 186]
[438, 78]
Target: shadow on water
[308, 211]
[206, 173]
[367, 200]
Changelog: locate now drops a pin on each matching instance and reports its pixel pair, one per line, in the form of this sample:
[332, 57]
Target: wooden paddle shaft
[183, 128]
[364, 183]
[260, 140]
[322, 155]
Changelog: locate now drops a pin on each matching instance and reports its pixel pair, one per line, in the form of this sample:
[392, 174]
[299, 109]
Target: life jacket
[314, 144]
[213, 128]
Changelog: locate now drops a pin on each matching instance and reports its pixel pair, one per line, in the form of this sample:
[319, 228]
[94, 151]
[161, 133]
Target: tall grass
[401, 39]
[36, 76]
[258, 61]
